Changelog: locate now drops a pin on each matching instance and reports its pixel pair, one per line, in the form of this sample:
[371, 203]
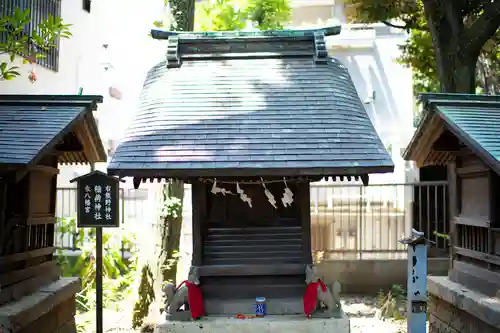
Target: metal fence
[347, 221]
[366, 222]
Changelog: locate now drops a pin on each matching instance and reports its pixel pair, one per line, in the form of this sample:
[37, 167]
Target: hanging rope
[286, 200]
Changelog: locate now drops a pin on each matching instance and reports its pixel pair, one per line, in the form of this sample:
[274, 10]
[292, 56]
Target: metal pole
[417, 282]
[98, 274]
[98, 266]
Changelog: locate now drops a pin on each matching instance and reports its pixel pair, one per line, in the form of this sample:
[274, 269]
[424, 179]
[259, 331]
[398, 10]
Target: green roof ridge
[186, 35]
[458, 99]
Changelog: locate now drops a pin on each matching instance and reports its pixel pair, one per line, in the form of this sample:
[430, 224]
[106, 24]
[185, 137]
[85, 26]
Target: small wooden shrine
[249, 119]
[38, 133]
[462, 132]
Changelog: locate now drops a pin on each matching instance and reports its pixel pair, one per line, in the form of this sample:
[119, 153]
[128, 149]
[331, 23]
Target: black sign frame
[100, 187]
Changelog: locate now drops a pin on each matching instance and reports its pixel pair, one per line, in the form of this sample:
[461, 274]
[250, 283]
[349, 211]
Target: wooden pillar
[304, 201]
[493, 217]
[199, 206]
[453, 206]
[3, 216]
[51, 227]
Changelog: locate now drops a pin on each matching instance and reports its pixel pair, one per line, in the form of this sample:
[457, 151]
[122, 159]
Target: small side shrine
[38, 133]
[462, 132]
[250, 119]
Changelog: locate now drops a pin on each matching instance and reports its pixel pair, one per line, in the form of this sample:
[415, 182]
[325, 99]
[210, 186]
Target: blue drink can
[260, 306]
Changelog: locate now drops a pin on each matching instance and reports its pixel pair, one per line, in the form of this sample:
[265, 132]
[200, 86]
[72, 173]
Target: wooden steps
[255, 245]
[253, 262]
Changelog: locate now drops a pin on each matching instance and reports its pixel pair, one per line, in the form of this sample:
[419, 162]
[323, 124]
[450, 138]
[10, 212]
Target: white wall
[123, 25]
[76, 56]
[79, 61]
[385, 87]
[369, 52]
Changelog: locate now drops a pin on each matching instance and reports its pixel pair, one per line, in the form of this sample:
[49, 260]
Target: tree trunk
[457, 75]
[182, 12]
[456, 60]
[446, 26]
[172, 226]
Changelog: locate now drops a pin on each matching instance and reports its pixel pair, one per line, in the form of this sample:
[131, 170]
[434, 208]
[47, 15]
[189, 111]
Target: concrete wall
[51, 309]
[454, 308]
[370, 276]
[446, 318]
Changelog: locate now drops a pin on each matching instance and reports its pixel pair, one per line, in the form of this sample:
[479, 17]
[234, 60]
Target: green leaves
[269, 14]
[172, 208]
[418, 52]
[219, 15]
[410, 12]
[8, 73]
[29, 42]
[117, 271]
[232, 15]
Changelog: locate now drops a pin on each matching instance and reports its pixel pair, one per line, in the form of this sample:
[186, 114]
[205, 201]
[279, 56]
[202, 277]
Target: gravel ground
[362, 311]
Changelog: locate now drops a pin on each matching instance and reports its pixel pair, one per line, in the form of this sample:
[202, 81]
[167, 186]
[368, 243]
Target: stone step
[270, 324]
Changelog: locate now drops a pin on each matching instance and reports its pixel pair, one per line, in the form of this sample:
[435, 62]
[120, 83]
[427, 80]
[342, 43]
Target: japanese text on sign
[87, 199]
[98, 199]
[107, 203]
[94, 200]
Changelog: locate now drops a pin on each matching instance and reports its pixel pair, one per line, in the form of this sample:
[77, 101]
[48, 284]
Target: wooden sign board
[98, 198]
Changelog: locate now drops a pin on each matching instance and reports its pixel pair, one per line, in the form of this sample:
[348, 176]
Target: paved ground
[361, 309]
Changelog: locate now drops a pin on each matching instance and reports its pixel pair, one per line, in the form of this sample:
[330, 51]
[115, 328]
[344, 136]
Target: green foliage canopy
[448, 41]
[232, 15]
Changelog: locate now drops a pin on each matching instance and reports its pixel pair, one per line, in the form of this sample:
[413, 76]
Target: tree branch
[482, 29]
[408, 26]
[471, 6]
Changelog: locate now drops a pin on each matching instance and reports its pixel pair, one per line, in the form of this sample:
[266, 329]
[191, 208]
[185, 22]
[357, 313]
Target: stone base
[49, 310]
[179, 316]
[269, 324]
[231, 307]
[456, 309]
[274, 306]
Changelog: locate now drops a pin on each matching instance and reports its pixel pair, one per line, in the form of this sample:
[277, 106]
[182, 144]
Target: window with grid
[40, 10]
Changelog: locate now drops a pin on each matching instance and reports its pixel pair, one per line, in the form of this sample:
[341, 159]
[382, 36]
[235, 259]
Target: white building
[65, 68]
[370, 53]
[114, 36]
[109, 50]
